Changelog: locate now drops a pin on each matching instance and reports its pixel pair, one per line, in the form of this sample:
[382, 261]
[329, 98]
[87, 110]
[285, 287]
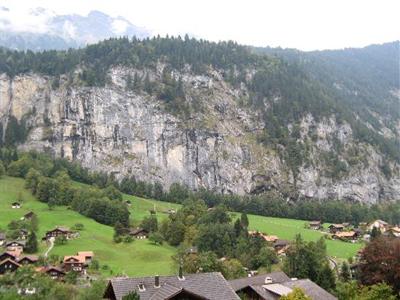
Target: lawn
[136, 259]
[288, 228]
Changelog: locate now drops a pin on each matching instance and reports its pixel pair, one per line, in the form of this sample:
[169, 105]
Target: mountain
[58, 32]
[208, 115]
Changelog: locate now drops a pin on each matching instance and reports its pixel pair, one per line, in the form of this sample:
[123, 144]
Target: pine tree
[31, 244]
[345, 272]
[244, 221]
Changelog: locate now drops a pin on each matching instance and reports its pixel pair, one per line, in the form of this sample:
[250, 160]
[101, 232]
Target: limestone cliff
[132, 133]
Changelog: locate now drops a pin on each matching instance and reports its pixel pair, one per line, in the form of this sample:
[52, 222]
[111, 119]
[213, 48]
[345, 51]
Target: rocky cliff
[123, 132]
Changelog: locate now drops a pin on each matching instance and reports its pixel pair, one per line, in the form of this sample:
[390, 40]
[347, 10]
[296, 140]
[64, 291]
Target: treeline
[51, 183]
[270, 203]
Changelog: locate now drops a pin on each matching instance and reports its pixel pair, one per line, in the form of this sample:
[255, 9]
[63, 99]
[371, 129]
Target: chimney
[268, 280]
[142, 288]
[180, 276]
[157, 281]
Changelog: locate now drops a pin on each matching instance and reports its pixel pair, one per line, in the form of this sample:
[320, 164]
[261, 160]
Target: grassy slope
[139, 257]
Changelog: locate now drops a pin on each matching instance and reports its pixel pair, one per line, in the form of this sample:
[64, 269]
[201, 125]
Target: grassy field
[140, 257]
[137, 258]
[288, 228]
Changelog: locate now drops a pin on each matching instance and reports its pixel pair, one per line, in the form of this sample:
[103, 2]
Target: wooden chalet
[7, 255]
[379, 224]
[264, 236]
[29, 215]
[54, 272]
[281, 246]
[346, 235]
[86, 255]
[59, 231]
[200, 286]
[395, 231]
[74, 263]
[333, 228]
[316, 225]
[15, 245]
[28, 260]
[274, 285]
[8, 265]
[139, 233]
[16, 205]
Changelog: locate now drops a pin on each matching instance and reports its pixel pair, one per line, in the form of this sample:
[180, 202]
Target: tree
[345, 272]
[119, 229]
[60, 240]
[380, 262]
[377, 292]
[31, 244]
[232, 269]
[150, 223]
[156, 238]
[296, 294]
[375, 232]
[244, 221]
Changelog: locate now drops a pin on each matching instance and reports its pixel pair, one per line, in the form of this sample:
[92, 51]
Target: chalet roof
[345, 234]
[85, 253]
[15, 203]
[135, 231]
[281, 243]
[280, 286]
[77, 258]
[29, 214]
[211, 286]
[381, 222]
[8, 255]
[10, 261]
[20, 243]
[32, 258]
[277, 277]
[53, 268]
[315, 223]
[395, 229]
[338, 226]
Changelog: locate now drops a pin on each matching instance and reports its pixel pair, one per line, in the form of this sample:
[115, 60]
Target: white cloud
[305, 24]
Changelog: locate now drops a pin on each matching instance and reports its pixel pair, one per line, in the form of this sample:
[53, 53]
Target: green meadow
[139, 257]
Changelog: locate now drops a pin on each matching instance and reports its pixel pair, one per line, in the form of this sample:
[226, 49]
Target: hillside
[214, 116]
[139, 257]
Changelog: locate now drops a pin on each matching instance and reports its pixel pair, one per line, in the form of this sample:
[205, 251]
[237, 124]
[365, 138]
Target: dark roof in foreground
[238, 284]
[281, 283]
[203, 285]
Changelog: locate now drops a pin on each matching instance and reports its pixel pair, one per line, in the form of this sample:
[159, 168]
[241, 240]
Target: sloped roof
[85, 253]
[345, 234]
[32, 258]
[311, 289]
[277, 277]
[336, 226]
[11, 261]
[78, 258]
[212, 286]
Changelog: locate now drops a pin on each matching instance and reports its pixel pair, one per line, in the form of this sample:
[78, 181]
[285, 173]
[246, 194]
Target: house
[346, 224]
[272, 286]
[316, 225]
[333, 228]
[29, 215]
[54, 272]
[2, 238]
[74, 263]
[200, 286]
[395, 231]
[59, 231]
[139, 233]
[16, 205]
[7, 255]
[15, 246]
[379, 224]
[346, 235]
[8, 265]
[28, 260]
[86, 255]
[267, 238]
[281, 246]
[23, 234]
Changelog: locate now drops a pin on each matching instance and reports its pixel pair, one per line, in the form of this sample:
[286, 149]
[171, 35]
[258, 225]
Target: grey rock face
[126, 133]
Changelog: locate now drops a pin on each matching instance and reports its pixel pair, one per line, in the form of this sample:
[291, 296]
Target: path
[51, 240]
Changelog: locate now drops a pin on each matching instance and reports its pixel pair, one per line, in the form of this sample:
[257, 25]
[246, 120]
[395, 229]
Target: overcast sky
[302, 24]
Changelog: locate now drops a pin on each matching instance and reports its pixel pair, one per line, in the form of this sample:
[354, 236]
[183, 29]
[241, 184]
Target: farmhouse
[379, 224]
[8, 265]
[395, 231]
[54, 272]
[29, 215]
[59, 231]
[316, 225]
[7, 255]
[275, 285]
[333, 228]
[211, 286]
[23, 234]
[346, 235]
[267, 238]
[74, 263]
[16, 205]
[281, 246]
[28, 260]
[139, 233]
[15, 246]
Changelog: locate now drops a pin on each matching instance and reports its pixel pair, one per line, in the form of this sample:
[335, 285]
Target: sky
[301, 24]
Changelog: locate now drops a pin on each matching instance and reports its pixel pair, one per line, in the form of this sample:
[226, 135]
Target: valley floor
[140, 257]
